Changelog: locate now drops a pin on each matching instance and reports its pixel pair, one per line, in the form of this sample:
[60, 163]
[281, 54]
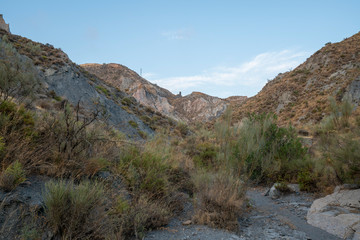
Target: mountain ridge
[195, 107]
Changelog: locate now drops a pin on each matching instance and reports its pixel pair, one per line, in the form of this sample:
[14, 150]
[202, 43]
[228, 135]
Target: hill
[301, 96]
[63, 80]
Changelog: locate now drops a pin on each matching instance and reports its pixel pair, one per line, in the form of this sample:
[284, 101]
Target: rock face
[3, 25]
[191, 108]
[338, 213]
[200, 107]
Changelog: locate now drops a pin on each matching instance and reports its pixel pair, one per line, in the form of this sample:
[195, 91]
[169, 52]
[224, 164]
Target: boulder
[275, 193]
[338, 213]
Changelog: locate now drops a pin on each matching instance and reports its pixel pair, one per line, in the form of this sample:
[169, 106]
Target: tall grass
[219, 199]
[75, 211]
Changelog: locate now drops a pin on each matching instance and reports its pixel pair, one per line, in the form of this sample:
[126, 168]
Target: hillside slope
[192, 108]
[301, 96]
[63, 80]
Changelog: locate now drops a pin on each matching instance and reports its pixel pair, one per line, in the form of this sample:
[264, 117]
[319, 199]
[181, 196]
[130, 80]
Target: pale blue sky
[222, 48]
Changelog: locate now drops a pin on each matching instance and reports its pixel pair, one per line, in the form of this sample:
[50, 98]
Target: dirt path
[269, 219]
[289, 210]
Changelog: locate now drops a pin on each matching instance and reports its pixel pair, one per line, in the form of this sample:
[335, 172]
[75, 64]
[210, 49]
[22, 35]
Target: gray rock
[70, 83]
[346, 187]
[338, 213]
[274, 193]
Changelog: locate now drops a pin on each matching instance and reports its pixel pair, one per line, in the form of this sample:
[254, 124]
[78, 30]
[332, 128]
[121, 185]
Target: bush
[144, 173]
[12, 176]
[103, 90]
[218, 200]
[126, 101]
[259, 148]
[143, 214]
[133, 124]
[205, 155]
[307, 181]
[339, 145]
[75, 211]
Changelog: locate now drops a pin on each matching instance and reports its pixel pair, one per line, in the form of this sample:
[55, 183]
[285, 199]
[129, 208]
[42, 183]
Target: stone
[294, 188]
[346, 187]
[273, 192]
[338, 213]
[188, 222]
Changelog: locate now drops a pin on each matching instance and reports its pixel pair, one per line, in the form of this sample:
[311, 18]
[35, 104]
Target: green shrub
[307, 181]
[144, 173]
[103, 90]
[12, 176]
[205, 155]
[126, 101]
[259, 148]
[75, 211]
[133, 124]
[282, 187]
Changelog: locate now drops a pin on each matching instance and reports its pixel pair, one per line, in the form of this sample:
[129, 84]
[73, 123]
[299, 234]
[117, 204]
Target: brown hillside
[301, 96]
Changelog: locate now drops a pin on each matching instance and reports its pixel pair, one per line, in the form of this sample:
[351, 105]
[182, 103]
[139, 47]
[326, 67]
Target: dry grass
[219, 200]
[76, 211]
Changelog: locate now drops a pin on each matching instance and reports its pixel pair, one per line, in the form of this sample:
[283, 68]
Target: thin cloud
[92, 33]
[252, 74]
[180, 34]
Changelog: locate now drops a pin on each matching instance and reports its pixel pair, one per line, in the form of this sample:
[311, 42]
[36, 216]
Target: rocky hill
[301, 96]
[64, 81]
[191, 108]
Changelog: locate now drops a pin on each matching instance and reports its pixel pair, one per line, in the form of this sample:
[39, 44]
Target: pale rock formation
[338, 213]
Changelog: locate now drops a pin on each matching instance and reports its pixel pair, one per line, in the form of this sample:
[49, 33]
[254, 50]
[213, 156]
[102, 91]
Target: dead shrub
[219, 200]
[133, 219]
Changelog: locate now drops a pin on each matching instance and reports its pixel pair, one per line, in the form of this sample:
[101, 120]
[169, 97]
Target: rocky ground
[283, 218]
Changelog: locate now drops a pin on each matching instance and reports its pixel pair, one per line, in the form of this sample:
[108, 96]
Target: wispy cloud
[180, 34]
[252, 74]
[149, 75]
[92, 33]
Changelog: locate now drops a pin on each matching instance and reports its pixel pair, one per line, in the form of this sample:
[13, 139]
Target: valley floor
[284, 218]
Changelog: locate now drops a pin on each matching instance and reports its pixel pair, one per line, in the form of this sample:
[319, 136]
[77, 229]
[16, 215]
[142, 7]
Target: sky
[222, 48]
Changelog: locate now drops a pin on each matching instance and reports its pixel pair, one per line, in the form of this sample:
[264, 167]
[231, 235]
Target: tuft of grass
[103, 90]
[126, 101]
[12, 176]
[133, 124]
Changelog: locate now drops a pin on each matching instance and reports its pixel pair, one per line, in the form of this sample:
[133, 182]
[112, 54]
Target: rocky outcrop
[200, 107]
[68, 82]
[194, 107]
[3, 25]
[130, 82]
[338, 213]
